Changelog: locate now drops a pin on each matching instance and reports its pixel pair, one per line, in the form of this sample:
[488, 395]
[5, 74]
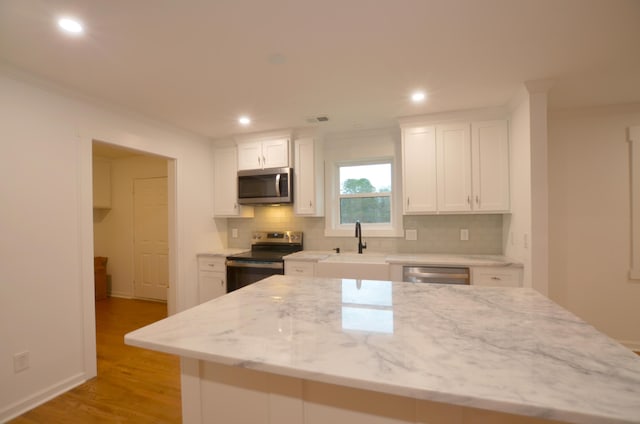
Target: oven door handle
[263, 265]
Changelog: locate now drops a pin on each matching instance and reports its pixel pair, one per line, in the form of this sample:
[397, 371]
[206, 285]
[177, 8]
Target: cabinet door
[308, 181]
[225, 178]
[211, 285]
[249, 155]
[490, 165]
[275, 153]
[419, 170]
[453, 145]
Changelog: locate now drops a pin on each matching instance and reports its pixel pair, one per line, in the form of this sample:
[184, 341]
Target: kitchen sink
[368, 266]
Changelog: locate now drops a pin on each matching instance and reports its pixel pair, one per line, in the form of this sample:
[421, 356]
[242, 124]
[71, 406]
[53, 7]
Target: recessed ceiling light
[418, 97]
[70, 25]
[244, 120]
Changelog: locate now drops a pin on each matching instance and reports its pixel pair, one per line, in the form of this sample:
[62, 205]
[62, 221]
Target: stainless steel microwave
[265, 186]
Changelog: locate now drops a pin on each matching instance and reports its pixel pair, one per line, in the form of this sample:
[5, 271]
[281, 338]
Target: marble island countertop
[507, 350]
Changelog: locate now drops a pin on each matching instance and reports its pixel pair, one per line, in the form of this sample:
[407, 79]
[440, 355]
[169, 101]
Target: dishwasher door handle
[436, 275]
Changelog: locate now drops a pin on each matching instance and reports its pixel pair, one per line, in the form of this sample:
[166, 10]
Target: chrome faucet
[361, 245]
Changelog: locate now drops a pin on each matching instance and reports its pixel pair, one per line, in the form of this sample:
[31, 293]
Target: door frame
[85, 235]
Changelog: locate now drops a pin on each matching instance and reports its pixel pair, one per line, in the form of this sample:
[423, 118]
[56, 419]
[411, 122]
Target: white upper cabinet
[419, 170]
[308, 175]
[269, 153]
[453, 167]
[225, 176]
[490, 156]
[459, 167]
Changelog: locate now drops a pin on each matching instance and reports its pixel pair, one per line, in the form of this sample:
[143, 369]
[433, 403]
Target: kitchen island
[311, 350]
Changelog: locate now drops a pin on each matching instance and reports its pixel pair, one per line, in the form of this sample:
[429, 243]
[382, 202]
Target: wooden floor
[133, 385]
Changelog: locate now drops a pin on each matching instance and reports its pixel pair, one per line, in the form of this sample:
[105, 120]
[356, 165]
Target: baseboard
[18, 408]
[631, 344]
[121, 295]
[128, 296]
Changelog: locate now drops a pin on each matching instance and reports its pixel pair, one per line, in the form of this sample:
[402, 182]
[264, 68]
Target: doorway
[131, 225]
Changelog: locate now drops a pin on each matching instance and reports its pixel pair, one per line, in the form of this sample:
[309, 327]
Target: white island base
[215, 393]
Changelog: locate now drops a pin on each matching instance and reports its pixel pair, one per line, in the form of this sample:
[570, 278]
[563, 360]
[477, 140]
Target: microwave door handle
[277, 185]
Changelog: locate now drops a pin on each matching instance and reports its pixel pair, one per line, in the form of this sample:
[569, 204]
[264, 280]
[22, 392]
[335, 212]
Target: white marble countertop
[442, 259]
[309, 255]
[451, 259]
[507, 350]
[223, 252]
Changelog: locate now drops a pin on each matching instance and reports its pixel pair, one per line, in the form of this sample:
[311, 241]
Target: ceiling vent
[316, 119]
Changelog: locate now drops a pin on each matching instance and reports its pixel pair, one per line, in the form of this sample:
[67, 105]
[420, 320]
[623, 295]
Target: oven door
[241, 272]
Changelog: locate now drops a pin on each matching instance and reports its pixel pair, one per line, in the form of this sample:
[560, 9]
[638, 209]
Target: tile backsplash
[436, 233]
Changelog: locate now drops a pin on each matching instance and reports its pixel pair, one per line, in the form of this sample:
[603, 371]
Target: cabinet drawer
[299, 268]
[212, 263]
[496, 276]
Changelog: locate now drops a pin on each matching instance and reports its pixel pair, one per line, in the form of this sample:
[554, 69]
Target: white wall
[113, 228]
[589, 218]
[517, 225]
[46, 273]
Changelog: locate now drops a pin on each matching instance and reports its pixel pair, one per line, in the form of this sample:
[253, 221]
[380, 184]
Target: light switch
[464, 234]
[234, 233]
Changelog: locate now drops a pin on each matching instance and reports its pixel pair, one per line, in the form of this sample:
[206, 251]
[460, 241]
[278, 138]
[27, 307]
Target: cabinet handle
[469, 199]
[264, 161]
[408, 201]
[310, 204]
[235, 206]
[496, 278]
[212, 265]
[222, 282]
[259, 161]
[477, 200]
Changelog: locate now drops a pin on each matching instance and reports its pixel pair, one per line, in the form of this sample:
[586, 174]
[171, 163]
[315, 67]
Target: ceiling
[199, 64]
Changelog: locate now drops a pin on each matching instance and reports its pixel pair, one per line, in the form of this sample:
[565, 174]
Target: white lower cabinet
[496, 276]
[212, 277]
[299, 268]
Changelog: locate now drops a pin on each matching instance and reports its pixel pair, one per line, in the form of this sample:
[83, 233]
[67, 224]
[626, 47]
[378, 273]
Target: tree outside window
[365, 193]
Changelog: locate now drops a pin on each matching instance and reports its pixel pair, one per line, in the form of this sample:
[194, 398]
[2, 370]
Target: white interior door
[151, 246]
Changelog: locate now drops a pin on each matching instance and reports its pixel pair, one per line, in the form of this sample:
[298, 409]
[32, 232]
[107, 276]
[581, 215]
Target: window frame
[333, 227]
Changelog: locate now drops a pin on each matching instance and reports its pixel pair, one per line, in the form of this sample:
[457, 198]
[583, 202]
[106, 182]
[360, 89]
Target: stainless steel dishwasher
[435, 274]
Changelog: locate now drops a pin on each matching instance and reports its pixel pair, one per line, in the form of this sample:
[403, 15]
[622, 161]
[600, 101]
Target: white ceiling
[199, 64]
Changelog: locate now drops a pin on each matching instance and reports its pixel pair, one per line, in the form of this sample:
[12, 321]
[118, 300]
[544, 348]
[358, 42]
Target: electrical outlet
[20, 361]
[464, 234]
[234, 233]
[411, 235]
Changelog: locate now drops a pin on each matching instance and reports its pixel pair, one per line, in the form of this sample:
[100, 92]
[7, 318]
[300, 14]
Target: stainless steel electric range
[264, 259]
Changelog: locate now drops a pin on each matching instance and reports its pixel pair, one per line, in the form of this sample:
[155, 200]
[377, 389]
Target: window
[363, 190]
[365, 193]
